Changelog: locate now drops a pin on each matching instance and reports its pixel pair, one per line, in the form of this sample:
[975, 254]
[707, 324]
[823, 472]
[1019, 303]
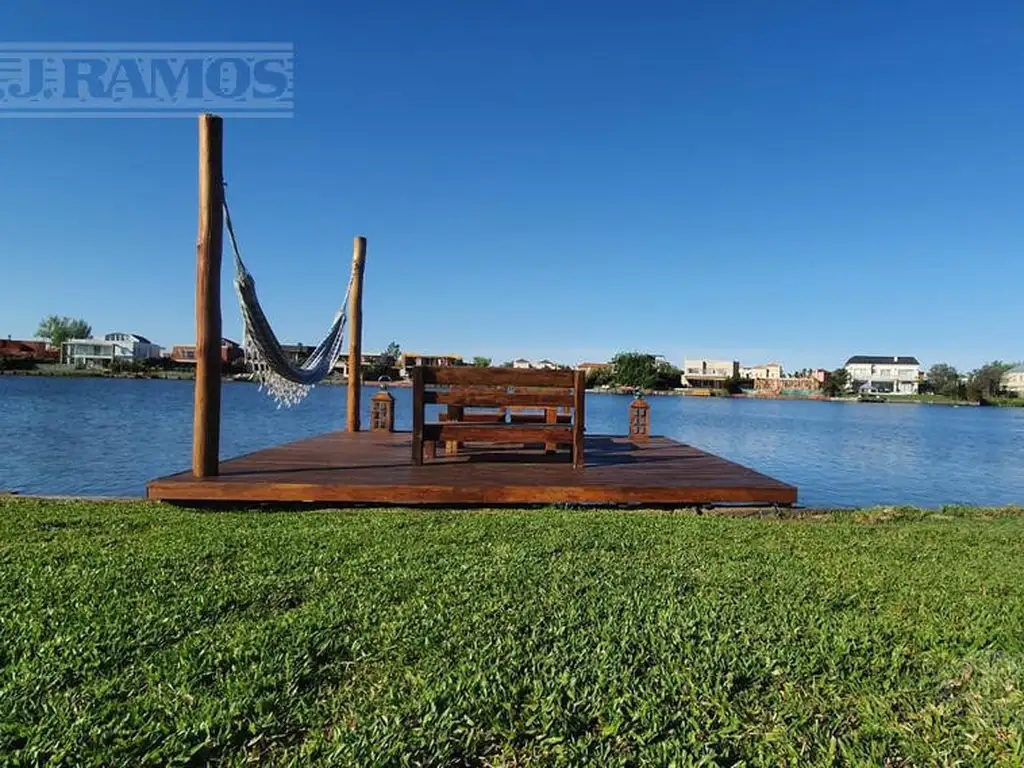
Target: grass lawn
[138, 634]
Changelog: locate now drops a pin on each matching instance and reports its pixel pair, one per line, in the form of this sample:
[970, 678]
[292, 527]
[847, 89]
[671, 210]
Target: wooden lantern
[382, 411]
[639, 418]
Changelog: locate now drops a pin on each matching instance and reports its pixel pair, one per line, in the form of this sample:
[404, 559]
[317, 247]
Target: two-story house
[93, 353]
[410, 360]
[185, 354]
[709, 374]
[1013, 380]
[761, 372]
[885, 375]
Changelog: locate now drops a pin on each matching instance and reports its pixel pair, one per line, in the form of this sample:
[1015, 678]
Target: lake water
[107, 437]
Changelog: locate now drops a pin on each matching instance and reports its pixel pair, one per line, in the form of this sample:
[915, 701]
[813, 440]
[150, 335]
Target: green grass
[135, 634]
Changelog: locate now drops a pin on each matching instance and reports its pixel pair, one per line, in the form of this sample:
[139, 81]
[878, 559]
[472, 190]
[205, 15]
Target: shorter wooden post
[355, 339]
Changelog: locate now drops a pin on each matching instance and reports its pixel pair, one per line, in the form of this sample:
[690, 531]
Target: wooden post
[579, 417]
[418, 406]
[355, 339]
[206, 415]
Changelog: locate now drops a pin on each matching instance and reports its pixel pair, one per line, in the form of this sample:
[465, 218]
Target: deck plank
[377, 468]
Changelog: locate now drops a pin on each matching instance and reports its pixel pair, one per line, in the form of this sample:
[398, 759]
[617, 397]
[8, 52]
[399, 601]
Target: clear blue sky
[789, 180]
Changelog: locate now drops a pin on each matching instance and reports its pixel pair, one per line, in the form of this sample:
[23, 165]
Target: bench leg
[577, 455]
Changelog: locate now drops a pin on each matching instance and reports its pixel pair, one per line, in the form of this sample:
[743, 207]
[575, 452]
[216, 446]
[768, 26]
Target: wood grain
[499, 377]
[495, 398]
[209, 245]
[376, 468]
[355, 339]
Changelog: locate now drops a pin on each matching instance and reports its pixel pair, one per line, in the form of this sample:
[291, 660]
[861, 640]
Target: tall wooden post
[206, 416]
[355, 338]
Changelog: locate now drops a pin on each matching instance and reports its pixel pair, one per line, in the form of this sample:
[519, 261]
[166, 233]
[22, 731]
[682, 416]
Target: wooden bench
[461, 387]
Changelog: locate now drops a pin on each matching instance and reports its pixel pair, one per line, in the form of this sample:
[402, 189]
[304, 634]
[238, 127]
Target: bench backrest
[475, 387]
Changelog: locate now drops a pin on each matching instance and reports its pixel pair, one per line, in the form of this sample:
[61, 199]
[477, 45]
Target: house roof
[134, 337]
[881, 360]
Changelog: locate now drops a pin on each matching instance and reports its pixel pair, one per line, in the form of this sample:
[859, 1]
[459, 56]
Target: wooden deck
[377, 468]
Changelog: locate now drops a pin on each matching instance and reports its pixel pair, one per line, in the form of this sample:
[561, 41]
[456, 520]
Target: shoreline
[627, 391]
[709, 510]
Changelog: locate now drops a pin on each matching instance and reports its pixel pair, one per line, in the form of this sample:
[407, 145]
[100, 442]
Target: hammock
[281, 379]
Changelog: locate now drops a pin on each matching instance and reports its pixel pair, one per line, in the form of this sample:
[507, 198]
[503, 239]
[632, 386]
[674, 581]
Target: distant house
[1013, 380]
[185, 354]
[522, 363]
[100, 353]
[709, 374]
[297, 354]
[367, 362]
[588, 367]
[763, 372]
[546, 365]
[28, 350]
[884, 375]
[410, 360]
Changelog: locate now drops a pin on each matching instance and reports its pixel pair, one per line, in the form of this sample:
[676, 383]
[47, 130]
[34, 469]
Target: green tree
[57, 330]
[635, 369]
[599, 377]
[987, 382]
[386, 364]
[943, 379]
[668, 376]
[837, 382]
[482, 362]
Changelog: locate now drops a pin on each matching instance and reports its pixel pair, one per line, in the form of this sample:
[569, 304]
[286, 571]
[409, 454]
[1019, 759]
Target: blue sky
[795, 180]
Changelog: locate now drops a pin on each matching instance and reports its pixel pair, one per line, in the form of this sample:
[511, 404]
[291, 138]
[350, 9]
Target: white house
[887, 375]
[92, 353]
[711, 374]
[761, 372]
[522, 363]
[1013, 380]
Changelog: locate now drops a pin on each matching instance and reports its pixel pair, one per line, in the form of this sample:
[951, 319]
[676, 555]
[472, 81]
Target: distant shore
[185, 375]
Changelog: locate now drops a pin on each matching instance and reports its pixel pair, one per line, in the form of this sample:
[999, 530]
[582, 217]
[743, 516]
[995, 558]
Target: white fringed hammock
[281, 379]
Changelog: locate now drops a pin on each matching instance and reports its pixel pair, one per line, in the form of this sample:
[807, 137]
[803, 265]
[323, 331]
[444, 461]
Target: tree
[987, 382]
[599, 377]
[507, 364]
[944, 379]
[667, 376]
[385, 364]
[635, 369]
[837, 382]
[482, 362]
[57, 330]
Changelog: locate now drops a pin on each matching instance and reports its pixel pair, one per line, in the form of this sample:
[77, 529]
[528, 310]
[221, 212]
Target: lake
[107, 437]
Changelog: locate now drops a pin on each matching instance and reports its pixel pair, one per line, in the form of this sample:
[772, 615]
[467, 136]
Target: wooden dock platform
[377, 468]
